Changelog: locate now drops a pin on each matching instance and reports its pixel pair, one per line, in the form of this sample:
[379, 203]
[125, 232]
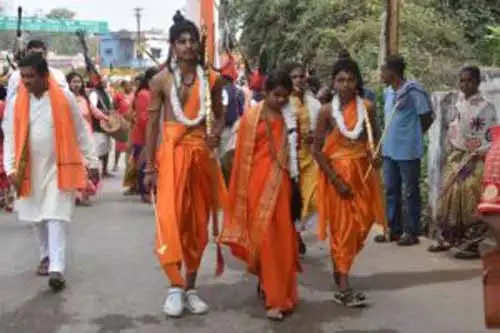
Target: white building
[120, 49]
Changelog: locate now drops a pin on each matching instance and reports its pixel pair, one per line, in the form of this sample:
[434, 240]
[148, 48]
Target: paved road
[115, 284]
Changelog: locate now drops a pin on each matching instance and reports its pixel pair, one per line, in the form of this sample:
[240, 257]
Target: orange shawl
[243, 227]
[258, 225]
[71, 172]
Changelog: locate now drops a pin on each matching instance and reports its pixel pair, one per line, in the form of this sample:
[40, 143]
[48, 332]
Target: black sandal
[43, 267]
[57, 282]
[350, 298]
[469, 251]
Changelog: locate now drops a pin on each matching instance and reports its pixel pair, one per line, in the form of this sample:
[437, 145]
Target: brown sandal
[43, 267]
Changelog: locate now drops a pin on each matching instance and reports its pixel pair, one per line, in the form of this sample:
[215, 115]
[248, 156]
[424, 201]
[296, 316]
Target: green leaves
[61, 13]
[492, 44]
[437, 36]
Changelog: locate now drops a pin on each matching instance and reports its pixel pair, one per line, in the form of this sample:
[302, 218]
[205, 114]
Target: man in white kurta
[47, 207]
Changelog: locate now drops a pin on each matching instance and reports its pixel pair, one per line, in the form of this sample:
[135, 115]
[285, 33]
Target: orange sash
[241, 228]
[258, 226]
[71, 172]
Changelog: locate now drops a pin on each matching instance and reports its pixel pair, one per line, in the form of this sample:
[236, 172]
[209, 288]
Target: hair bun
[178, 17]
[344, 54]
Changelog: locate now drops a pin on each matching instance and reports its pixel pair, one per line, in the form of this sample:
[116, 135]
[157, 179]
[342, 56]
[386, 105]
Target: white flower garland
[313, 106]
[355, 133]
[293, 138]
[177, 108]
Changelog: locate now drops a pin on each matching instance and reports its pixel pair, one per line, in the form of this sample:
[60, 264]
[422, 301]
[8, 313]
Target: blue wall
[116, 51]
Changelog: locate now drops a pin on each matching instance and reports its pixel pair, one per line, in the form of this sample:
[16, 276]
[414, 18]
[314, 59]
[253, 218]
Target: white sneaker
[195, 304]
[174, 304]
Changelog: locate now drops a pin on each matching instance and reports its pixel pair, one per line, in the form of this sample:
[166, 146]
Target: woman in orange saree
[348, 204]
[258, 224]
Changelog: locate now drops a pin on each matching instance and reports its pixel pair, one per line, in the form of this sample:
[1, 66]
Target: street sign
[53, 25]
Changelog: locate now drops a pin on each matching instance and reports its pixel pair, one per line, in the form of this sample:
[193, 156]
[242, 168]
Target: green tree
[314, 31]
[61, 14]
[492, 44]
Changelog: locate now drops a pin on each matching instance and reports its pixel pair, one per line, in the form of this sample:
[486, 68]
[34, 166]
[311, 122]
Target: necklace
[355, 133]
[313, 107]
[176, 102]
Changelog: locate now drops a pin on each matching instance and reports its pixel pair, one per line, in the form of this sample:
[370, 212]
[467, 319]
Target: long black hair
[348, 65]
[148, 75]
[82, 91]
[182, 25]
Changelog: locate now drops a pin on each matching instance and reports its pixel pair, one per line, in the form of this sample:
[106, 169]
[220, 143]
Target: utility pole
[138, 16]
[392, 27]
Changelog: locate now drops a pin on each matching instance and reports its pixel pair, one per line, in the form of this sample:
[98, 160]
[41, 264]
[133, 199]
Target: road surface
[115, 284]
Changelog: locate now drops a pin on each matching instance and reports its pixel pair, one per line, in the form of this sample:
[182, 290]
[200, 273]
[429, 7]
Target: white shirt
[15, 78]
[46, 201]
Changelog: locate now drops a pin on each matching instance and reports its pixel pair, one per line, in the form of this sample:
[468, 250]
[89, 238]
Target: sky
[118, 13]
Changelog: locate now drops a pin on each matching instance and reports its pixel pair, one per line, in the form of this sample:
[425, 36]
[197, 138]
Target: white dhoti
[228, 138]
[102, 143]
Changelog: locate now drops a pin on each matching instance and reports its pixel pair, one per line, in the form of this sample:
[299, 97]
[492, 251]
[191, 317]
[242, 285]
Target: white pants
[102, 143]
[52, 237]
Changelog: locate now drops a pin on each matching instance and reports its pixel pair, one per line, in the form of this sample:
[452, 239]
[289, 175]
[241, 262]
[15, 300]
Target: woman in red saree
[122, 101]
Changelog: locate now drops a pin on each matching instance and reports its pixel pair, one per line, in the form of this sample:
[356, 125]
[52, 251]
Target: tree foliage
[435, 41]
[61, 14]
[492, 44]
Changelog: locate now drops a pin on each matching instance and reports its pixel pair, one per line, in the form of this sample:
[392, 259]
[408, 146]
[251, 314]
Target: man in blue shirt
[408, 115]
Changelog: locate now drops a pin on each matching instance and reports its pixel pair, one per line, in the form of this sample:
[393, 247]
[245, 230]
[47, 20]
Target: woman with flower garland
[348, 203]
[258, 224]
[183, 169]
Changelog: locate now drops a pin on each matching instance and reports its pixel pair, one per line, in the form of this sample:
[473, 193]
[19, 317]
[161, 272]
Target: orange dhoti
[258, 225]
[348, 221]
[190, 188]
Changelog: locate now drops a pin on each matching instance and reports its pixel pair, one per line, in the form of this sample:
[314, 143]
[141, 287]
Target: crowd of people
[275, 154]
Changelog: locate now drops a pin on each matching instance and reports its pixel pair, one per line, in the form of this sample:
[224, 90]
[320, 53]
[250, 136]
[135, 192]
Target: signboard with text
[53, 25]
